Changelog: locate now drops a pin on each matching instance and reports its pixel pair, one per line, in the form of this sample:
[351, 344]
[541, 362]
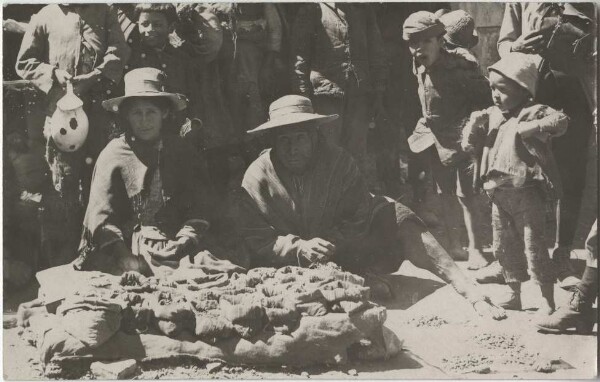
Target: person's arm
[274, 28]
[302, 41]
[475, 130]
[117, 51]
[33, 55]
[510, 30]
[553, 123]
[266, 245]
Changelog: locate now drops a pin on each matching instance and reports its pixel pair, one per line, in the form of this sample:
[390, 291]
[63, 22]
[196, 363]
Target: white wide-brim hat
[290, 110]
[146, 82]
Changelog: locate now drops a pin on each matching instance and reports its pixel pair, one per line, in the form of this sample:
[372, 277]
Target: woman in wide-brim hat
[146, 209]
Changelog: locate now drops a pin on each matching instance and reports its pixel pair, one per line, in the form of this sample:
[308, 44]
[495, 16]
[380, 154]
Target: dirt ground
[442, 335]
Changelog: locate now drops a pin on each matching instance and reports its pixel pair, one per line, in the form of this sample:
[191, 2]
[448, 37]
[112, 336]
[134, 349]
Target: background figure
[340, 64]
[84, 44]
[566, 75]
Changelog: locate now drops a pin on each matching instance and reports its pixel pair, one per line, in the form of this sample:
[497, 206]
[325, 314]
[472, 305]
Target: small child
[519, 173]
[450, 88]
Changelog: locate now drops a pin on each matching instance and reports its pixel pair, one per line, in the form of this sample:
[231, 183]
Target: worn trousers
[519, 229]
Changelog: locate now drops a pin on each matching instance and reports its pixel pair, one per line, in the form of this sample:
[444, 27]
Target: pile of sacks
[265, 316]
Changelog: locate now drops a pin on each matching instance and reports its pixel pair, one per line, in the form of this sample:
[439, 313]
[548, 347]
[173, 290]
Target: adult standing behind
[84, 44]
[563, 34]
[306, 202]
[340, 64]
[146, 203]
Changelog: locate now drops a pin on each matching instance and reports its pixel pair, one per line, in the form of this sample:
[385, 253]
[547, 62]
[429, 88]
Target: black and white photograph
[300, 190]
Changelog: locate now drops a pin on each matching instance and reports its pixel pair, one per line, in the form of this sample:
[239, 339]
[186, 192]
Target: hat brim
[292, 119]
[179, 101]
[472, 42]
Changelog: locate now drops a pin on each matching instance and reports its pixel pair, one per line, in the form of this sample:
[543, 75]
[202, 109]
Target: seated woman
[146, 199]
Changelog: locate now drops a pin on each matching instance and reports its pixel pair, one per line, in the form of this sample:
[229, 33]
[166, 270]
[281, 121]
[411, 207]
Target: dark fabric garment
[121, 185]
[332, 43]
[329, 201]
[519, 229]
[588, 286]
[449, 91]
[54, 39]
[350, 130]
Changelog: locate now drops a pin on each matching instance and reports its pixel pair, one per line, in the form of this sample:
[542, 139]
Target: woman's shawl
[120, 182]
[331, 202]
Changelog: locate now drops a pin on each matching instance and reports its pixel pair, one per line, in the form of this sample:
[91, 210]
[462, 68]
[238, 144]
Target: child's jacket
[449, 91]
[517, 147]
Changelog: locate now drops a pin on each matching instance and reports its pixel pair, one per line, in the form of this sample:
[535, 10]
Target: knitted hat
[521, 68]
[460, 29]
[422, 25]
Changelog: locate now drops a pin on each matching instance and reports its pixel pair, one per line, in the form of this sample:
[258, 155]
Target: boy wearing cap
[450, 88]
[519, 173]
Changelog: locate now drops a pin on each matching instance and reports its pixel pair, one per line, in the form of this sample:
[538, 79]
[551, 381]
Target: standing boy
[450, 88]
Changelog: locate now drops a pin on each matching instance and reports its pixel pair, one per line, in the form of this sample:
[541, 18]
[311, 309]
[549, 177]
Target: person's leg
[445, 177]
[419, 246]
[508, 248]
[578, 312]
[530, 220]
[467, 199]
[570, 151]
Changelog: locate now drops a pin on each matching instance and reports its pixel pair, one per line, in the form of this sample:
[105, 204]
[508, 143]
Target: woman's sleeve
[195, 198]
[510, 30]
[107, 192]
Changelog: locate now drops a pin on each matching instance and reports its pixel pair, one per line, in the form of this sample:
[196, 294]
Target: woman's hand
[530, 43]
[316, 250]
[175, 250]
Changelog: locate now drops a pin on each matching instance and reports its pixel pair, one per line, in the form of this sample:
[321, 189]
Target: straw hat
[289, 110]
[146, 82]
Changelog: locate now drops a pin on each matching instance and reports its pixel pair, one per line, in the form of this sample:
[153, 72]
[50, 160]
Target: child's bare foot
[476, 259]
[512, 301]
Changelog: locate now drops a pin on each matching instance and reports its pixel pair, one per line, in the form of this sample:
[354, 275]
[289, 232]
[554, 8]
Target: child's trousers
[518, 223]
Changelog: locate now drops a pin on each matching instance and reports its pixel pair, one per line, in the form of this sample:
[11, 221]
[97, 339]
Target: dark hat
[289, 110]
[460, 29]
[421, 25]
[146, 82]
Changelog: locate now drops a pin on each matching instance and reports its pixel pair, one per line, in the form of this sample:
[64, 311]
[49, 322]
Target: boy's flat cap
[422, 25]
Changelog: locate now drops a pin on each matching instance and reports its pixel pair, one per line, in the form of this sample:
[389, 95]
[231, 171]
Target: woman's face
[294, 148]
[145, 119]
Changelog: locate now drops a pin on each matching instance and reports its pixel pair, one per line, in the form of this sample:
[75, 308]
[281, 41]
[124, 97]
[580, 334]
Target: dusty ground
[443, 338]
